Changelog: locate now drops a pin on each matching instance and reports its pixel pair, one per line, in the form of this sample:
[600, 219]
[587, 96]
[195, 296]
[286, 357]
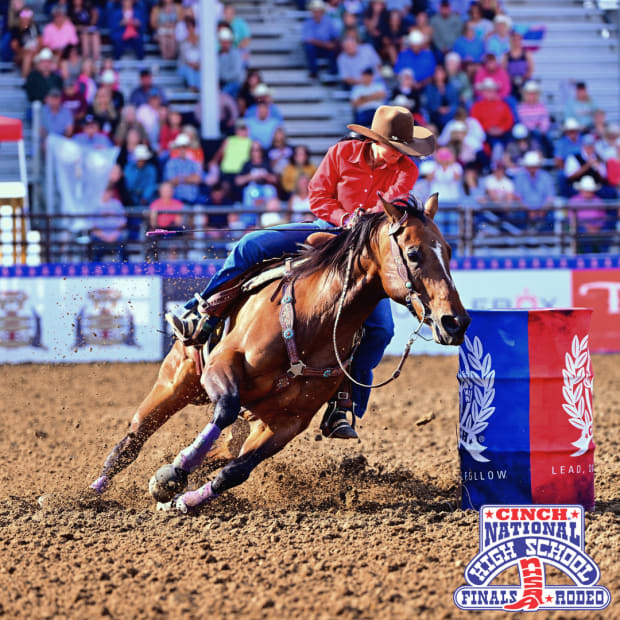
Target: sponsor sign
[489, 290]
[529, 538]
[75, 319]
[599, 289]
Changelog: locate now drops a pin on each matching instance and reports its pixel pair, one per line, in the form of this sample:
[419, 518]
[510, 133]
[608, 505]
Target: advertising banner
[72, 319]
[489, 290]
[599, 289]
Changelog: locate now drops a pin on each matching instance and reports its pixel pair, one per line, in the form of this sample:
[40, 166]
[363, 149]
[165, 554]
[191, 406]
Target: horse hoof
[167, 482]
[100, 485]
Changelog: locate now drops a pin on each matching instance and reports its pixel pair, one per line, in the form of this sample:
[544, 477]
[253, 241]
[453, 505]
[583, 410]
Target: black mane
[332, 253]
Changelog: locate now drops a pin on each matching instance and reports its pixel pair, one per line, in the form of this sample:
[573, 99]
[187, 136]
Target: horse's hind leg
[262, 443]
[177, 385]
[221, 383]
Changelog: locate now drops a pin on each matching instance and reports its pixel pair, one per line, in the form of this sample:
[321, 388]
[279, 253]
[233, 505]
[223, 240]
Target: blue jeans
[313, 53]
[260, 245]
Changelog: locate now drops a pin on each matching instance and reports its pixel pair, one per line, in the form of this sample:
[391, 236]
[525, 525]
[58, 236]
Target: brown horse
[399, 254]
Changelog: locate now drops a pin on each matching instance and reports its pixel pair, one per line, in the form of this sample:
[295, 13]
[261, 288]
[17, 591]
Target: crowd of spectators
[463, 70]
[460, 67]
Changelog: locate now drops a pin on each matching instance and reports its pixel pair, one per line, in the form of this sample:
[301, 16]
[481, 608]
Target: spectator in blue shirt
[469, 46]
[498, 42]
[569, 143]
[418, 58]
[262, 126]
[126, 21]
[91, 136]
[320, 39]
[55, 118]
[184, 173]
[262, 94]
[141, 177]
[141, 93]
[533, 186]
[440, 98]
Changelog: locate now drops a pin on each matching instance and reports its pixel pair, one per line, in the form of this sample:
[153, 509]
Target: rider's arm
[323, 190]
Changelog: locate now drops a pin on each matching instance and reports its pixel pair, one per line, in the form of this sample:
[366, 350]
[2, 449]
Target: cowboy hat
[394, 126]
[587, 184]
[142, 153]
[182, 140]
[532, 159]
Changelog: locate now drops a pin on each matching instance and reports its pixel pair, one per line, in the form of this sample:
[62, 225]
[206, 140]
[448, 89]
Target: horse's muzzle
[451, 328]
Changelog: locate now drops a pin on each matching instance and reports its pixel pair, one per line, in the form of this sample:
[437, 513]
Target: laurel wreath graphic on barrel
[577, 391]
[476, 394]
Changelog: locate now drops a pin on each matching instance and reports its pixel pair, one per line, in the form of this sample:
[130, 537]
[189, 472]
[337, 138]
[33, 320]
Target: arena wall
[112, 312]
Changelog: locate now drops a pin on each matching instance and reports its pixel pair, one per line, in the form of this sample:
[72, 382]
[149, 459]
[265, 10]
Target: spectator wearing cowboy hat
[590, 219]
[263, 125]
[42, 78]
[418, 58]
[569, 143]
[493, 114]
[263, 94]
[584, 163]
[230, 63]
[533, 186]
[320, 39]
[535, 115]
[141, 177]
[498, 41]
[458, 78]
[108, 81]
[90, 136]
[185, 174]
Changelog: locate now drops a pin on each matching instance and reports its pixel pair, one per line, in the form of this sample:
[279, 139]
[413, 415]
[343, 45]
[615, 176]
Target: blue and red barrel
[525, 423]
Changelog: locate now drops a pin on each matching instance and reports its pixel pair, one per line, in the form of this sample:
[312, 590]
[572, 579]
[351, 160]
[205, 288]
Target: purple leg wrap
[190, 458]
[101, 484]
[194, 499]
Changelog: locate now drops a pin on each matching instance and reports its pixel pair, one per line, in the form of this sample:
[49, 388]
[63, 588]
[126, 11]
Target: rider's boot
[194, 326]
[335, 424]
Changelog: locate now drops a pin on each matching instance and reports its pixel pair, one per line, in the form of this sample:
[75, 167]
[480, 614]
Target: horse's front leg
[177, 385]
[221, 381]
[263, 442]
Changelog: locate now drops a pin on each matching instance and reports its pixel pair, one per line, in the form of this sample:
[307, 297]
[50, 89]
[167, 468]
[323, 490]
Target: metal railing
[483, 230]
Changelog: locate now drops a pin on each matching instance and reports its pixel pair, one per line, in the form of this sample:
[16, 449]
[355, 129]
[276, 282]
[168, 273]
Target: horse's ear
[392, 212]
[431, 205]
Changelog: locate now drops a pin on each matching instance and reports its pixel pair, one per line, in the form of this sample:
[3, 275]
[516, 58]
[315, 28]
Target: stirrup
[335, 424]
[190, 329]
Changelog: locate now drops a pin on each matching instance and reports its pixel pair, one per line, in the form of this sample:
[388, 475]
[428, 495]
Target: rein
[412, 296]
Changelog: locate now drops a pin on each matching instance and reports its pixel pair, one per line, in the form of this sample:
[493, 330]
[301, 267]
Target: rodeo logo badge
[18, 327]
[103, 321]
[529, 537]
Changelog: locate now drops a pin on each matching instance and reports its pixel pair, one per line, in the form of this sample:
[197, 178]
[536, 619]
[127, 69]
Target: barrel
[525, 401]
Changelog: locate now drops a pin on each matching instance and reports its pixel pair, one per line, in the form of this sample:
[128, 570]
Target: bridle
[412, 297]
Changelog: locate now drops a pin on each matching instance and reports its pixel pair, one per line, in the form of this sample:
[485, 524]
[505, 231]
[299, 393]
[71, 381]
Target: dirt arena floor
[326, 529]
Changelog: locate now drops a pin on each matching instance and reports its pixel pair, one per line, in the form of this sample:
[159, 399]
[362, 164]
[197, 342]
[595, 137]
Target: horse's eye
[413, 254]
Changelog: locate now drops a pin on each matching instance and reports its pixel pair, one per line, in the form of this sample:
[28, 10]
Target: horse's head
[415, 268]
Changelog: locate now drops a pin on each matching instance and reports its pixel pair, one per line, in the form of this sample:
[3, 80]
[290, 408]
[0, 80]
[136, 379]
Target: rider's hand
[351, 219]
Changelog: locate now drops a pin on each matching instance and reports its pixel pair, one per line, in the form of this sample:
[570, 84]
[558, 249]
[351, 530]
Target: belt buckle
[343, 395]
[296, 369]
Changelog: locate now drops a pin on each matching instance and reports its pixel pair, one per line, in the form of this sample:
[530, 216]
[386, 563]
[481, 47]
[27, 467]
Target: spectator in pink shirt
[535, 115]
[493, 70]
[60, 32]
[166, 202]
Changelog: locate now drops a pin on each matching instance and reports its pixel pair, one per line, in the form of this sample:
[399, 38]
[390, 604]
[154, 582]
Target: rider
[346, 183]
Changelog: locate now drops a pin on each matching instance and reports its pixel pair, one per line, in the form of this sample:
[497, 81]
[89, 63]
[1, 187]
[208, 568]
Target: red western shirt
[344, 182]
